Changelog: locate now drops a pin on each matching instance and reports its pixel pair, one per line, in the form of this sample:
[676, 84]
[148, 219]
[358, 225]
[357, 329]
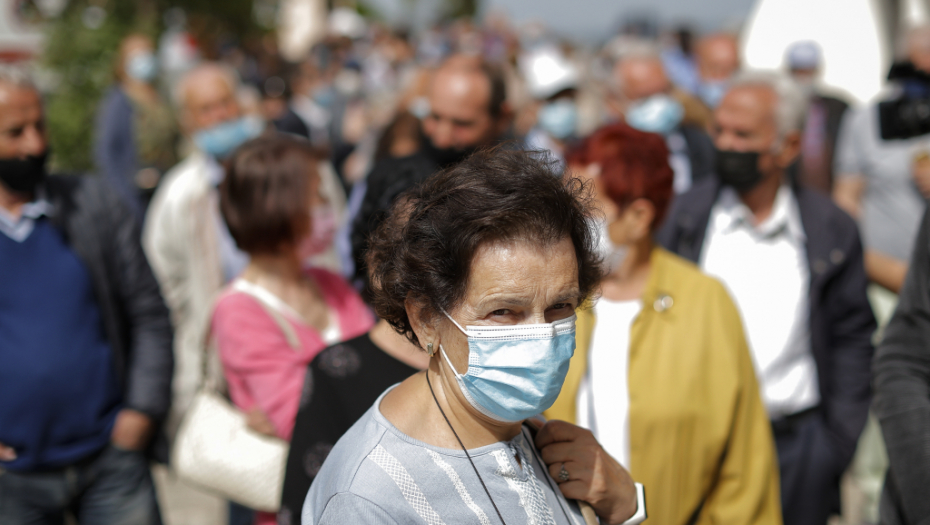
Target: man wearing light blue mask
[717, 61]
[135, 133]
[553, 81]
[648, 102]
[187, 242]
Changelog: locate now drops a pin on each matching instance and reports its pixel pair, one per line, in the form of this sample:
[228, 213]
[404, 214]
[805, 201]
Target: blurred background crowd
[153, 96]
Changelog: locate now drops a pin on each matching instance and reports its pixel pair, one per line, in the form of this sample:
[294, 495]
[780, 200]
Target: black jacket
[388, 179]
[104, 234]
[841, 320]
[902, 394]
[701, 152]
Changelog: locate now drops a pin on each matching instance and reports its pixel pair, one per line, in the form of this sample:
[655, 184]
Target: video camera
[908, 115]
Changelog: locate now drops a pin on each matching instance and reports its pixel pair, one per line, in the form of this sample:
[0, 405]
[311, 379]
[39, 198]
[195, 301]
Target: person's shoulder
[347, 459]
[688, 277]
[185, 178]
[699, 198]
[85, 193]
[819, 211]
[360, 347]
[412, 167]
[63, 185]
[115, 97]
[181, 185]
[240, 311]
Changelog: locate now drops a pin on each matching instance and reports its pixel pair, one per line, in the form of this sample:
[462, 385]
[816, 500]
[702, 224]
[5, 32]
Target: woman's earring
[429, 349]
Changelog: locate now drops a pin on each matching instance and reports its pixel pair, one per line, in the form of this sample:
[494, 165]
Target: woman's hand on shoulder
[593, 475]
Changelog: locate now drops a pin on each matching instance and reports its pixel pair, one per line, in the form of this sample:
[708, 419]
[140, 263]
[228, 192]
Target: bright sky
[592, 20]
[855, 60]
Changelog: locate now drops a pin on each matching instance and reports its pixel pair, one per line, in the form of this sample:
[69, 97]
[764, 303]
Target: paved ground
[182, 504]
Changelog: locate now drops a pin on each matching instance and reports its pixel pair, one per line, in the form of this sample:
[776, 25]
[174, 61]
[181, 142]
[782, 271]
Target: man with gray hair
[85, 338]
[185, 237]
[646, 99]
[793, 262]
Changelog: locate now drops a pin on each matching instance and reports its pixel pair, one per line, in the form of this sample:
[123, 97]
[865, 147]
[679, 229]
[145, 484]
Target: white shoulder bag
[214, 448]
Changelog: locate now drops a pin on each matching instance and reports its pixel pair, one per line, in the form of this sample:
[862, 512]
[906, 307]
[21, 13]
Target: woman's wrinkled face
[514, 283]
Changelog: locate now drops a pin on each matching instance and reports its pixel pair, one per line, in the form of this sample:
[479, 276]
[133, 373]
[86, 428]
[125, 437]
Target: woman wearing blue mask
[136, 135]
[662, 374]
[483, 272]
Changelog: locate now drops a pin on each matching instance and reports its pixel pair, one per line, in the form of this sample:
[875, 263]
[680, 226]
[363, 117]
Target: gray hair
[642, 50]
[16, 75]
[637, 49]
[192, 77]
[791, 108]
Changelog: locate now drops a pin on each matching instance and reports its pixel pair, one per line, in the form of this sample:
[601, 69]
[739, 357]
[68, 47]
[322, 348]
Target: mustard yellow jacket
[700, 439]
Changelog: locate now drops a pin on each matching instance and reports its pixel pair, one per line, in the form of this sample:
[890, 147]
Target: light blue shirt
[378, 474]
[19, 229]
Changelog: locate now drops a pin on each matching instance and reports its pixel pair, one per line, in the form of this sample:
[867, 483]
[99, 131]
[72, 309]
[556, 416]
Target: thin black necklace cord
[465, 450]
[555, 491]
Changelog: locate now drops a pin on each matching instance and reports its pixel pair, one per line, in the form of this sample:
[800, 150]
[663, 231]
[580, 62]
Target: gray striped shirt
[377, 474]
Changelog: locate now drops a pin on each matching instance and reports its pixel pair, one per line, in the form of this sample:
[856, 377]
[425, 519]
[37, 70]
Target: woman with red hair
[661, 372]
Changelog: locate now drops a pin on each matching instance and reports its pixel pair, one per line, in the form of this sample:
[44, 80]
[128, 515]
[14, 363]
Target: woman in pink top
[272, 320]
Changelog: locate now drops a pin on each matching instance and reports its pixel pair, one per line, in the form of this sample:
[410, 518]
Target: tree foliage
[80, 53]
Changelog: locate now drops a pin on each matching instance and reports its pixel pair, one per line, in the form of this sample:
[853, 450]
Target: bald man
[85, 338]
[718, 60]
[793, 263]
[646, 99]
[467, 111]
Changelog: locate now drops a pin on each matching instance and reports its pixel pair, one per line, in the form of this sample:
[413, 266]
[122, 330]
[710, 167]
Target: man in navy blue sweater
[85, 338]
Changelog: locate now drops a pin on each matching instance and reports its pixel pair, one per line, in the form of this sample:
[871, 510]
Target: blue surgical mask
[656, 114]
[712, 92]
[559, 118]
[142, 66]
[223, 138]
[324, 96]
[515, 372]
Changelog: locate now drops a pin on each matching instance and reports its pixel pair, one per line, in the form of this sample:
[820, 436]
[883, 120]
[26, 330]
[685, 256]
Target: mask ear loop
[454, 322]
[445, 355]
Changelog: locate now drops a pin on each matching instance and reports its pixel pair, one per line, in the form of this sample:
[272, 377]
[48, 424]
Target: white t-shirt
[603, 402]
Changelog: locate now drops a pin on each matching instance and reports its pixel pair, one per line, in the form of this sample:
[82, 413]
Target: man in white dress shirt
[793, 262]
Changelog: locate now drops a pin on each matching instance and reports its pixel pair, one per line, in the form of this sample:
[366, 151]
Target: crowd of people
[480, 275]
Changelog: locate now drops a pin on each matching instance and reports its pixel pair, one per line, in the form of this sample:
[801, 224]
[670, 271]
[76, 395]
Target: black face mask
[23, 175]
[446, 157]
[738, 169]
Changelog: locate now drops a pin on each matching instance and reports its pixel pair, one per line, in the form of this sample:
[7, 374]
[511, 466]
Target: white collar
[785, 217]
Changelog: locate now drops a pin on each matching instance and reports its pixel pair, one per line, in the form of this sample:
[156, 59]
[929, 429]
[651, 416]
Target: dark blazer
[701, 152]
[115, 148]
[841, 320]
[104, 234]
[902, 403]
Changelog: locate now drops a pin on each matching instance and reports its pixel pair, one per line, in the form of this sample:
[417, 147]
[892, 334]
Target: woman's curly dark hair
[425, 247]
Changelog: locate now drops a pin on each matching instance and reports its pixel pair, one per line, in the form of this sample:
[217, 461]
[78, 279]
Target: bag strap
[207, 339]
[273, 307]
[587, 511]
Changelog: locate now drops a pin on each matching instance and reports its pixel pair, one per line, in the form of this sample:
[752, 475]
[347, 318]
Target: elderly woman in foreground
[484, 275]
